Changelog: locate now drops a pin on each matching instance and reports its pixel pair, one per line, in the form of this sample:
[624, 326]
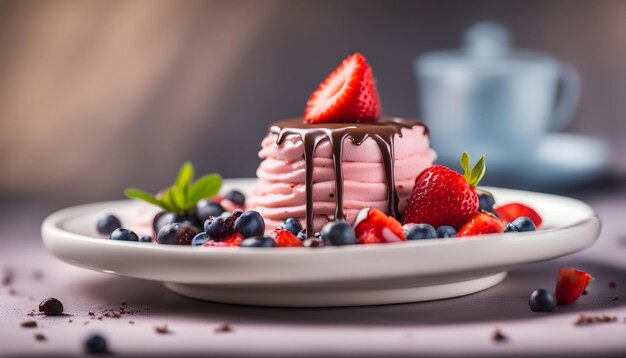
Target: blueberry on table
[485, 201]
[258, 241]
[107, 224]
[176, 234]
[200, 239]
[145, 238]
[95, 344]
[419, 231]
[292, 225]
[510, 228]
[338, 233]
[122, 234]
[542, 300]
[236, 197]
[446, 231]
[250, 224]
[206, 208]
[524, 223]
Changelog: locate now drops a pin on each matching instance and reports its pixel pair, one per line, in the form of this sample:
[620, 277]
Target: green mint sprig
[474, 176]
[183, 196]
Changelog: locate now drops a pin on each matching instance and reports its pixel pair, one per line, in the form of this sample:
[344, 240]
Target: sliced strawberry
[230, 241]
[348, 94]
[481, 223]
[372, 226]
[512, 211]
[284, 238]
[442, 196]
[570, 285]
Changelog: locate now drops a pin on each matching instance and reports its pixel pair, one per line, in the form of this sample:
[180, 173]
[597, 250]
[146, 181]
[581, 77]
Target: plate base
[337, 296]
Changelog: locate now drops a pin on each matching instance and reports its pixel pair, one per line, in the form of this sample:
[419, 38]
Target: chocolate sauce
[382, 132]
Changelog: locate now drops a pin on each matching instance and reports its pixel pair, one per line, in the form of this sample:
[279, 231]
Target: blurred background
[96, 96]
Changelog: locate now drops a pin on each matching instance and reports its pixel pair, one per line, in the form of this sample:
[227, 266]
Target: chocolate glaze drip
[382, 132]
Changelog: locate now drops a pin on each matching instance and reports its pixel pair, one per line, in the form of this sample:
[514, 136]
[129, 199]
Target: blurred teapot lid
[486, 50]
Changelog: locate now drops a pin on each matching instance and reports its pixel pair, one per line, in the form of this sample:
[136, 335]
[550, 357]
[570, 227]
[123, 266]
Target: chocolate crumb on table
[498, 336]
[223, 328]
[12, 292]
[612, 284]
[584, 320]
[131, 322]
[29, 324]
[40, 337]
[585, 292]
[7, 276]
[162, 329]
[614, 299]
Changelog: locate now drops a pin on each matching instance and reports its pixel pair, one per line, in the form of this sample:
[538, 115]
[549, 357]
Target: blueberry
[250, 224]
[206, 208]
[524, 223]
[313, 242]
[485, 201]
[542, 301]
[419, 231]
[236, 197]
[122, 234]
[95, 344]
[107, 224]
[338, 233]
[146, 238]
[176, 234]
[200, 239]
[258, 241]
[292, 225]
[446, 231]
[163, 218]
[302, 235]
[510, 228]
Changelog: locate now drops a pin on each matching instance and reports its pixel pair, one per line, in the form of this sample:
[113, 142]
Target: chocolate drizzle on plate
[382, 132]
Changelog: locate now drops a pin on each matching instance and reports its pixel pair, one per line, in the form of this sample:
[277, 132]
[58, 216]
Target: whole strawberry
[442, 196]
[570, 285]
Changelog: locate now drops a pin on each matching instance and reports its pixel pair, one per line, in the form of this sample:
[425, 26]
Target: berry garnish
[183, 196]
[206, 208]
[236, 197]
[570, 285]
[509, 212]
[523, 223]
[145, 238]
[95, 344]
[222, 226]
[510, 228]
[51, 307]
[122, 234]
[292, 225]
[348, 94]
[250, 224]
[542, 301]
[338, 233]
[107, 224]
[285, 238]
[200, 239]
[442, 196]
[258, 241]
[481, 223]
[234, 239]
[176, 234]
[419, 231]
[372, 226]
[446, 231]
[485, 200]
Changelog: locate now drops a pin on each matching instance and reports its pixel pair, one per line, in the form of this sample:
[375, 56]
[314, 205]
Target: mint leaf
[206, 187]
[142, 195]
[184, 177]
[465, 165]
[169, 201]
[478, 172]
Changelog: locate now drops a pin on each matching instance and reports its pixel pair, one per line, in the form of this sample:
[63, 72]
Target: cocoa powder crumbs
[131, 322]
[29, 324]
[162, 329]
[40, 337]
[498, 336]
[223, 328]
[584, 320]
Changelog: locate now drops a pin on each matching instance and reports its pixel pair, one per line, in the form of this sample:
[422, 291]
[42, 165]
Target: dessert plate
[330, 276]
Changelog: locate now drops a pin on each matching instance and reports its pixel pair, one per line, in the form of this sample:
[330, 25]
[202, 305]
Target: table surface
[459, 326]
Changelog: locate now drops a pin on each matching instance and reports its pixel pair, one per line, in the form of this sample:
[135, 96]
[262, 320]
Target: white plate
[329, 276]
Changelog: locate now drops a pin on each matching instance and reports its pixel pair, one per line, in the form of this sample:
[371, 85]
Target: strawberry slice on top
[348, 94]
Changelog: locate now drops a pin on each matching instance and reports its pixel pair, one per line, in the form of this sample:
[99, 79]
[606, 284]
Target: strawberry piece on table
[570, 285]
[348, 94]
[480, 224]
[284, 238]
[442, 196]
[512, 211]
[372, 226]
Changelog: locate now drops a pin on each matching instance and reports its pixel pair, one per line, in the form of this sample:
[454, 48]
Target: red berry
[348, 94]
[481, 223]
[510, 212]
[230, 241]
[375, 227]
[284, 238]
[442, 196]
[570, 285]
